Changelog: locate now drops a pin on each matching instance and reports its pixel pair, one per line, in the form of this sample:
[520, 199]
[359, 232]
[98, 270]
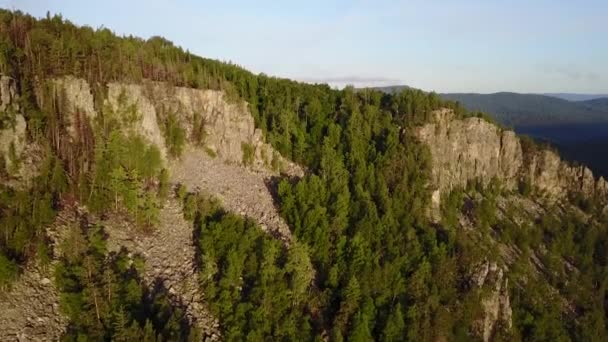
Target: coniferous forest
[366, 263]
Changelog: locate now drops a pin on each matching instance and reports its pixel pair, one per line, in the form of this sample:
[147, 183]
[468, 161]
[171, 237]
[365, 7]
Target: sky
[442, 45]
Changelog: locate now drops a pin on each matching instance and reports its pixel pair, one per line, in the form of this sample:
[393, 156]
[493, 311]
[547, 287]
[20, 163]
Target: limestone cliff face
[12, 131]
[123, 96]
[227, 127]
[474, 149]
[78, 98]
[495, 304]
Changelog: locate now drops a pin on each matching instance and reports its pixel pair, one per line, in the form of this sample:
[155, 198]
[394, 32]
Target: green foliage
[124, 167]
[164, 185]
[248, 154]
[198, 133]
[175, 135]
[13, 158]
[524, 187]
[255, 286]
[451, 207]
[275, 163]
[24, 214]
[3, 168]
[365, 262]
[362, 212]
[103, 295]
[8, 272]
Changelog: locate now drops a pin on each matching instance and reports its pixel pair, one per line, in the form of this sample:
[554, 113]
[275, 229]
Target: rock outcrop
[130, 99]
[8, 94]
[225, 128]
[472, 149]
[495, 302]
[19, 158]
[12, 122]
[78, 98]
[215, 166]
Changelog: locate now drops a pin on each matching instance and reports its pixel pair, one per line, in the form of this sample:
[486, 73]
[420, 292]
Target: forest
[366, 263]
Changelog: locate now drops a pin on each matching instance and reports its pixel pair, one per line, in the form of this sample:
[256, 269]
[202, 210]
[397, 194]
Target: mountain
[518, 110]
[147, 193]
[576, 97]
[599, 104]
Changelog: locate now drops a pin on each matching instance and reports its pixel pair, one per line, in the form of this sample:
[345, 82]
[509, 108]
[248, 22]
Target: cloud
[355, 80]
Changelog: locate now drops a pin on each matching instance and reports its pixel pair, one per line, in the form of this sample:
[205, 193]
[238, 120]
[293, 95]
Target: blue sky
[441, 45]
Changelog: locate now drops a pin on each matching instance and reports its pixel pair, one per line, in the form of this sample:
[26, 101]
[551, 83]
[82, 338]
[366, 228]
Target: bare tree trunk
[93, 288]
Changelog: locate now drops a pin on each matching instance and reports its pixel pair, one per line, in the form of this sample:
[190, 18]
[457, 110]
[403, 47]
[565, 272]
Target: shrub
[248, 154]
[175, 135]
[198, 133]
[8, 271]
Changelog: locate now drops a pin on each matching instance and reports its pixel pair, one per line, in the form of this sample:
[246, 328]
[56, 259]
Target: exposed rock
[29, 311]
[12, 131]
[228, 127]
[19, 157]
[473, 149]
[8, 94]
[241, 191]
[123, 96]
[169, 253]
[78, 99]
[496, 304]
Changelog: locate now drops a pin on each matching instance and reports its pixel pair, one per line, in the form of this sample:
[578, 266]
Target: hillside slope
[163, 192]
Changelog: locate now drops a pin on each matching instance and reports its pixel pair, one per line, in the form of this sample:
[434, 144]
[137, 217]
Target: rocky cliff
[213, 165]
[472, 149]
[475, 150]
[225, 129]
[496, 304]
[17, 155]
[12, 123]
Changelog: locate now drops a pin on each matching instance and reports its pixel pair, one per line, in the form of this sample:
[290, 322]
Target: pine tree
[118, 184]
[301, 270]
[395, 325]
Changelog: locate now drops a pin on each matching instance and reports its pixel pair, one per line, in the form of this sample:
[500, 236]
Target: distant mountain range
[575, 96]
[513, 109]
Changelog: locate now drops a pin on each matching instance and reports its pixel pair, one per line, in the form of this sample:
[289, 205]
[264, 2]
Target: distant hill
[393, 89]
[576, 97]
[519, 110]
[600, 104]
[513, 109]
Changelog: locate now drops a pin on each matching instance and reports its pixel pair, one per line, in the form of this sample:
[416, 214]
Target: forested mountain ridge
[516, 110]
[577, 96]
[108, 122]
